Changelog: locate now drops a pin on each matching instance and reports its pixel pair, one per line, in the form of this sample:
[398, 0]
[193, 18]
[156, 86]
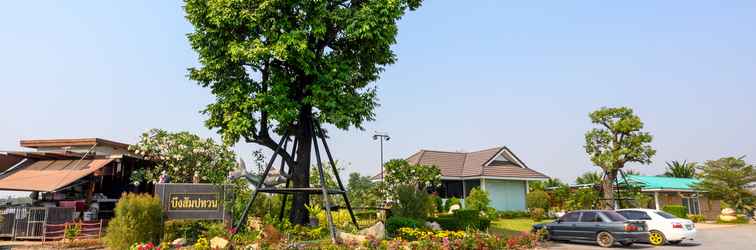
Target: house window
[691, 203]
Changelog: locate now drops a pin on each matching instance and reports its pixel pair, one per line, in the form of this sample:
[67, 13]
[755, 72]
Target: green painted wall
[506, 194]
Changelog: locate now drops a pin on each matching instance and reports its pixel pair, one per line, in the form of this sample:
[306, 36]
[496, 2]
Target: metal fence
[31, 222]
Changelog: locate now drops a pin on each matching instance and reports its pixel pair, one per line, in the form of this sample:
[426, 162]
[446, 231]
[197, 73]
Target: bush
[394, 223]
[696, 218]
[477, 200]
[412, 203]
[742, 219]
[536, 214]
[537, 199]
[676, 210]
[451, 201]
[463, 219]
[138, 218]
[448, 222]
[439, 203]
[513, 214]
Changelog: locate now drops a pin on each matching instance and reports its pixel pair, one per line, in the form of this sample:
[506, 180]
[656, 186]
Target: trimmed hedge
[394, 223]
[676, 210]
[514, 214]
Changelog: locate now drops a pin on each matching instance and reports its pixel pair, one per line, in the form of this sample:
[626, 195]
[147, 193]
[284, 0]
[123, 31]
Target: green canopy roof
[663, 183]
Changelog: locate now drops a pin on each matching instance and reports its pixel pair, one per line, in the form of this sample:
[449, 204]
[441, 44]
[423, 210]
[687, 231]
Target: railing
[30, 222]
[87, 230]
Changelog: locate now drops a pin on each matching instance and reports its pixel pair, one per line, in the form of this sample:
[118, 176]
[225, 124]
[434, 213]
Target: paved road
[729, 237]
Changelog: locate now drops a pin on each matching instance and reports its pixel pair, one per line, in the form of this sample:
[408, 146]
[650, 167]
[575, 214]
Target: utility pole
[382, 136]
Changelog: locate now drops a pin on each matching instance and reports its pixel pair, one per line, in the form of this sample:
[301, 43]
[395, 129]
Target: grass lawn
[506, 227]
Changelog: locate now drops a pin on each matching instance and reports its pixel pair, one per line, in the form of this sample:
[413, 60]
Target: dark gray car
[605, 227]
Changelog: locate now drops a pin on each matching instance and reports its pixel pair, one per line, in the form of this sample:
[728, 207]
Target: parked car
[605, 227]
[663, 227]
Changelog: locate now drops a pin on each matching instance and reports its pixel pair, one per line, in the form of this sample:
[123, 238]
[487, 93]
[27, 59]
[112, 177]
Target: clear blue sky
[521, 74]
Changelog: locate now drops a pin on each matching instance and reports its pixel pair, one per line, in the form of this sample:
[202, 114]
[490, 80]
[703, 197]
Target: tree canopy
[589, 178]
[618, 139]
[728, 179]
[181, 154]
[682, 169]
[278, 66]
[400, 172]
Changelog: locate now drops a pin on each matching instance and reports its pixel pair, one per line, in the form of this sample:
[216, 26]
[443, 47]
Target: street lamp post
[382, 136]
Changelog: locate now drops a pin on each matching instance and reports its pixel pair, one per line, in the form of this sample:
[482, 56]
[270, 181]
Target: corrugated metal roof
[50, 175]
[663, 182]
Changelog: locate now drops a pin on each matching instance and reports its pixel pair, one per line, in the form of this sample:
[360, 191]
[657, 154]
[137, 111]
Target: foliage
[728, 179]
[537, 214]
[410, 233]
[202, 244]
[589, 178]
[412, 203]
[559, 196]
[363, 192]
[400, 172]
[618, 140]
[696, 218]
[462, 219]
[537, 199]
[138, 218]
[678, 211]
[583, 198]
[341, 219]
[144, 246]
[513, 214]
[394, 223]
[72, 231]
[181, 155]
[552, 183]
[477, 200]
[438, 203]
[682, 169]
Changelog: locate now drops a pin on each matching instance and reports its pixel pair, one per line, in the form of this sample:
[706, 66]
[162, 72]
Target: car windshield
[614, 216]
[665, 215]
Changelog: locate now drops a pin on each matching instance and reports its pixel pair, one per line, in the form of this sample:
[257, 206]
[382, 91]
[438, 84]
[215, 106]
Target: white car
[663, 227]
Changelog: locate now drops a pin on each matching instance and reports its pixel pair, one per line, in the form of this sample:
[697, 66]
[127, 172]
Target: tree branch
[269, 143]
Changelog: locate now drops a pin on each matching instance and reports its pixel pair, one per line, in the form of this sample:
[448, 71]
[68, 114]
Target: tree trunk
[607, 187]
[301, 173]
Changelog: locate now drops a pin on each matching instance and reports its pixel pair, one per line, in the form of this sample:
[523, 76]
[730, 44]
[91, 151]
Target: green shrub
[138, 218]
[696, 218]
[412, 203]
[451, 201]
[537, 199]
[477, 200]
[448, 222]
[676, 210]
[536, 214]
[394, 223]
[463, 219]
[439, 203]
[513, 214]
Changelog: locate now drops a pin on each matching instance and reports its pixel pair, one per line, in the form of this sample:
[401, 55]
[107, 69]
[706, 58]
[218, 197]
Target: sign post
[192, 201]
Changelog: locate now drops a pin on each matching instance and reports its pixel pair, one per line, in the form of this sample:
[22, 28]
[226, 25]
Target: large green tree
[616, 141]
[728, 179]
[591, 177]
[274, 66]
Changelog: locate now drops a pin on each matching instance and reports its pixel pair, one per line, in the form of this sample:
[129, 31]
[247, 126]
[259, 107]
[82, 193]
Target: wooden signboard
[192, 201]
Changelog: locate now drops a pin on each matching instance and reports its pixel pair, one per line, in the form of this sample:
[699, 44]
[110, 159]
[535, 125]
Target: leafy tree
[400, 172]
[618, 140]
[182, 154]
[680, 169]
[728, 179]
[582, 198]
[412, 203]
[537, 199]
[632, 172]
[275, 66]
[362, 190]
[552, 183]
[477, 200]
[589, 178]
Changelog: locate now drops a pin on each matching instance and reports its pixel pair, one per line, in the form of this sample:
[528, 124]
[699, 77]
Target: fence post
[44, 225]
[99, 231]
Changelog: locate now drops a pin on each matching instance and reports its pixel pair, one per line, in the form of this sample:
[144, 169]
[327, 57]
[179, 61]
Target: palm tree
[589, 178]
[680, 169]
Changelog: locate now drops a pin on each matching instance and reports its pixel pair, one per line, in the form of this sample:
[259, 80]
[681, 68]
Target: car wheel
[674, 242]
[656, 238]
[605, 239]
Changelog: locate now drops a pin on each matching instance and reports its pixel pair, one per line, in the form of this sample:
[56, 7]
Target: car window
[634, 215]
[570, 217]
[665, 215]
[590, 217]
[613, 216]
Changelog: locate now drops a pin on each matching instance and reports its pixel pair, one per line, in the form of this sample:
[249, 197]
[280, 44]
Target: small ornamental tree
[616, 141]
[589, 178]
[728, 179]
[181, 155]
[682, 169]
[537, 199]
[477, 200]
[400, 172]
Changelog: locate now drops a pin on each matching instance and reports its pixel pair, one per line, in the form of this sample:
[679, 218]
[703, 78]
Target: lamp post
[382, 136]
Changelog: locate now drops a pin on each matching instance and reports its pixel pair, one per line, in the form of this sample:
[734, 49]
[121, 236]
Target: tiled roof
[472, 164]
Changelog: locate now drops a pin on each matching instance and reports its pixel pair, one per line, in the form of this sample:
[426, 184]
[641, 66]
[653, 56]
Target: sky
[469, 76]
